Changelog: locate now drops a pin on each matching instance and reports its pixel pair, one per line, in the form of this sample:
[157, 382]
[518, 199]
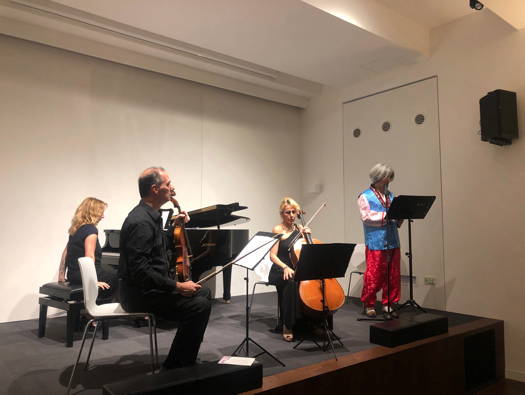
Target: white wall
[72, 126]
[413, 151]
[482, 184]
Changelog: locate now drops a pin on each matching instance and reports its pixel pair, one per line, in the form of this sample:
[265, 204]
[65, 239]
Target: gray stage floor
[30, 365]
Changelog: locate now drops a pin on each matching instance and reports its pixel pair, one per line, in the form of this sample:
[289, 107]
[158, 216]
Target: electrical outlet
[429, 280]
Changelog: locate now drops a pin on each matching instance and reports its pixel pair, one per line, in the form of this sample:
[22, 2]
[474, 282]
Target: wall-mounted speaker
[499, 117]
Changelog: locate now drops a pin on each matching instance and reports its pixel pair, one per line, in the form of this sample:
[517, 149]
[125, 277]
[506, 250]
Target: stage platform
[460, 361]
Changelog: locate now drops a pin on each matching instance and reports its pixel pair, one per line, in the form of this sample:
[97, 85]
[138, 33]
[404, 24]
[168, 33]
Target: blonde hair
[288, 201]
[88, 212]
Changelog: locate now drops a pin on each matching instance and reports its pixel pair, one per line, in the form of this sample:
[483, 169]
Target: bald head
[149, 177]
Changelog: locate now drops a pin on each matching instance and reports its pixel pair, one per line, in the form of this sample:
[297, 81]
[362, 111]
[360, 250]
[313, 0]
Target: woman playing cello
[282, 272]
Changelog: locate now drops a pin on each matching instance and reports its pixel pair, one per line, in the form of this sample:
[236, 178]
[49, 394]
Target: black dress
[287, 290]
[75, 250]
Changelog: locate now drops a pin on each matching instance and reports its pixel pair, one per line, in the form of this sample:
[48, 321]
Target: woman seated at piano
[83, 241]
[282, 271]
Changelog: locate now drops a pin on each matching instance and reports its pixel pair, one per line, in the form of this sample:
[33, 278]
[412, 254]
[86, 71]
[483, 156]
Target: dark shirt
[144, 259]
[75, 250]
[283, 252]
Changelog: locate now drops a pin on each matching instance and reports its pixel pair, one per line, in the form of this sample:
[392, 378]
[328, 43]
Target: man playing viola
[144, 269]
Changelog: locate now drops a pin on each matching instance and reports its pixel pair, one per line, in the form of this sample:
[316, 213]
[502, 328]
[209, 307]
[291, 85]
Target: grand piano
[210, 245]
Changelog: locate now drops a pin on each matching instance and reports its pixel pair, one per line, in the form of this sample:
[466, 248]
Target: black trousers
[191, 313]
[288, 296]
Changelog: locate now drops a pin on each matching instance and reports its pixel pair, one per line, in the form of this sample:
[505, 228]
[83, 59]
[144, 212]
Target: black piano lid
[216, 215]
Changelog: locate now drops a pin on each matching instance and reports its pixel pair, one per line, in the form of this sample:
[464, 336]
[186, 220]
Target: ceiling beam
[380, 21]
[47, 23]
[511, 11]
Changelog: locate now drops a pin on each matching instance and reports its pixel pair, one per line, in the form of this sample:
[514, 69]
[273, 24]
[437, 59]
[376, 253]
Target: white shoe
[370, 311]
[390, 310]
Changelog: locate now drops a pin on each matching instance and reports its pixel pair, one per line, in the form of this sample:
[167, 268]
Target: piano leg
[198, 269]
[226, 283]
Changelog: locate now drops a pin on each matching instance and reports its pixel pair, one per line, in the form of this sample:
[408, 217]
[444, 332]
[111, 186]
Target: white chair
[357, 260]
[262, 270]
[105, 312]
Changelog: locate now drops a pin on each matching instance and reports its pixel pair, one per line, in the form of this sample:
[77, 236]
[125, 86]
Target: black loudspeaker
[480, 359]
[206, 379]
[499, 117]
[407, 329]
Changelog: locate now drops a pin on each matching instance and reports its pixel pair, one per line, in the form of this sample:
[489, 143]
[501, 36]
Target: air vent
[419, 119]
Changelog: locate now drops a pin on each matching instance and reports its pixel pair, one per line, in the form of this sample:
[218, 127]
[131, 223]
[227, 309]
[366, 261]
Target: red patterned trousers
[375, 276]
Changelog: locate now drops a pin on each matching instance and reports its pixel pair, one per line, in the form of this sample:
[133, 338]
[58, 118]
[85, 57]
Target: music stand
[410, 208]
[250, 256]
[319, 262]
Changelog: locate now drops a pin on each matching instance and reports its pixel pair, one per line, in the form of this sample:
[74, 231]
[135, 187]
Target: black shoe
[175, 365]
[164, 368]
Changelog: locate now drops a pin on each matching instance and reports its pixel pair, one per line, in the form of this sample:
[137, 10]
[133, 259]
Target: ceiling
[291, 46]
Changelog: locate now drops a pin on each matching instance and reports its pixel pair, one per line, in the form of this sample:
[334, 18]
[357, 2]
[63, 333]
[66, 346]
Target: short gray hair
[380, 171]
[150, 176]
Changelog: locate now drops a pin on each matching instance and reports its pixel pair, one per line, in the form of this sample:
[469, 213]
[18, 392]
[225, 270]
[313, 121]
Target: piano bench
[67, 297]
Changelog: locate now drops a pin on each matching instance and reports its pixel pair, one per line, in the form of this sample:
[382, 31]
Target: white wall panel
[413, 151]
[72, 126]
[481, 183]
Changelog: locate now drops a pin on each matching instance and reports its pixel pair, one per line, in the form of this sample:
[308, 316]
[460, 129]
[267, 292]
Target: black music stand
[319, 262]
[250, 256]
[410, 208]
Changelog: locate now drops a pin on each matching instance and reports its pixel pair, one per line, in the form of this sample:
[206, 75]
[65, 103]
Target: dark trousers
[191, 313]
[288, 295]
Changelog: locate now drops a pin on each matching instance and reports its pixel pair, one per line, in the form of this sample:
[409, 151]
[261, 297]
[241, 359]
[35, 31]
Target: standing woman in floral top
[381, 241]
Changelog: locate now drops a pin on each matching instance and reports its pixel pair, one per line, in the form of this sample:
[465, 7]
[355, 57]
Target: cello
[182, 247]
[317, 296]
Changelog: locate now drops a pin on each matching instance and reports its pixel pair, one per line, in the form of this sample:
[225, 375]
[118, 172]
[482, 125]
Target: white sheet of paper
[243, 361]
[260, 245]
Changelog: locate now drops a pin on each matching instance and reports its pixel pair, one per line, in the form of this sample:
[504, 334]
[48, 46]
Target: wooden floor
[503, 387]
[434, 365]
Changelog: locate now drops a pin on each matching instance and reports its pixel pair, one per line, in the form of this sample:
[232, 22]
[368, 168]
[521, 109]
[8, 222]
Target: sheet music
[253, 252]
[231, 360]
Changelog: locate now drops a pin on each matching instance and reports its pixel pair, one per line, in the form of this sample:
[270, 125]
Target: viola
[182, 253]
[313, 292]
